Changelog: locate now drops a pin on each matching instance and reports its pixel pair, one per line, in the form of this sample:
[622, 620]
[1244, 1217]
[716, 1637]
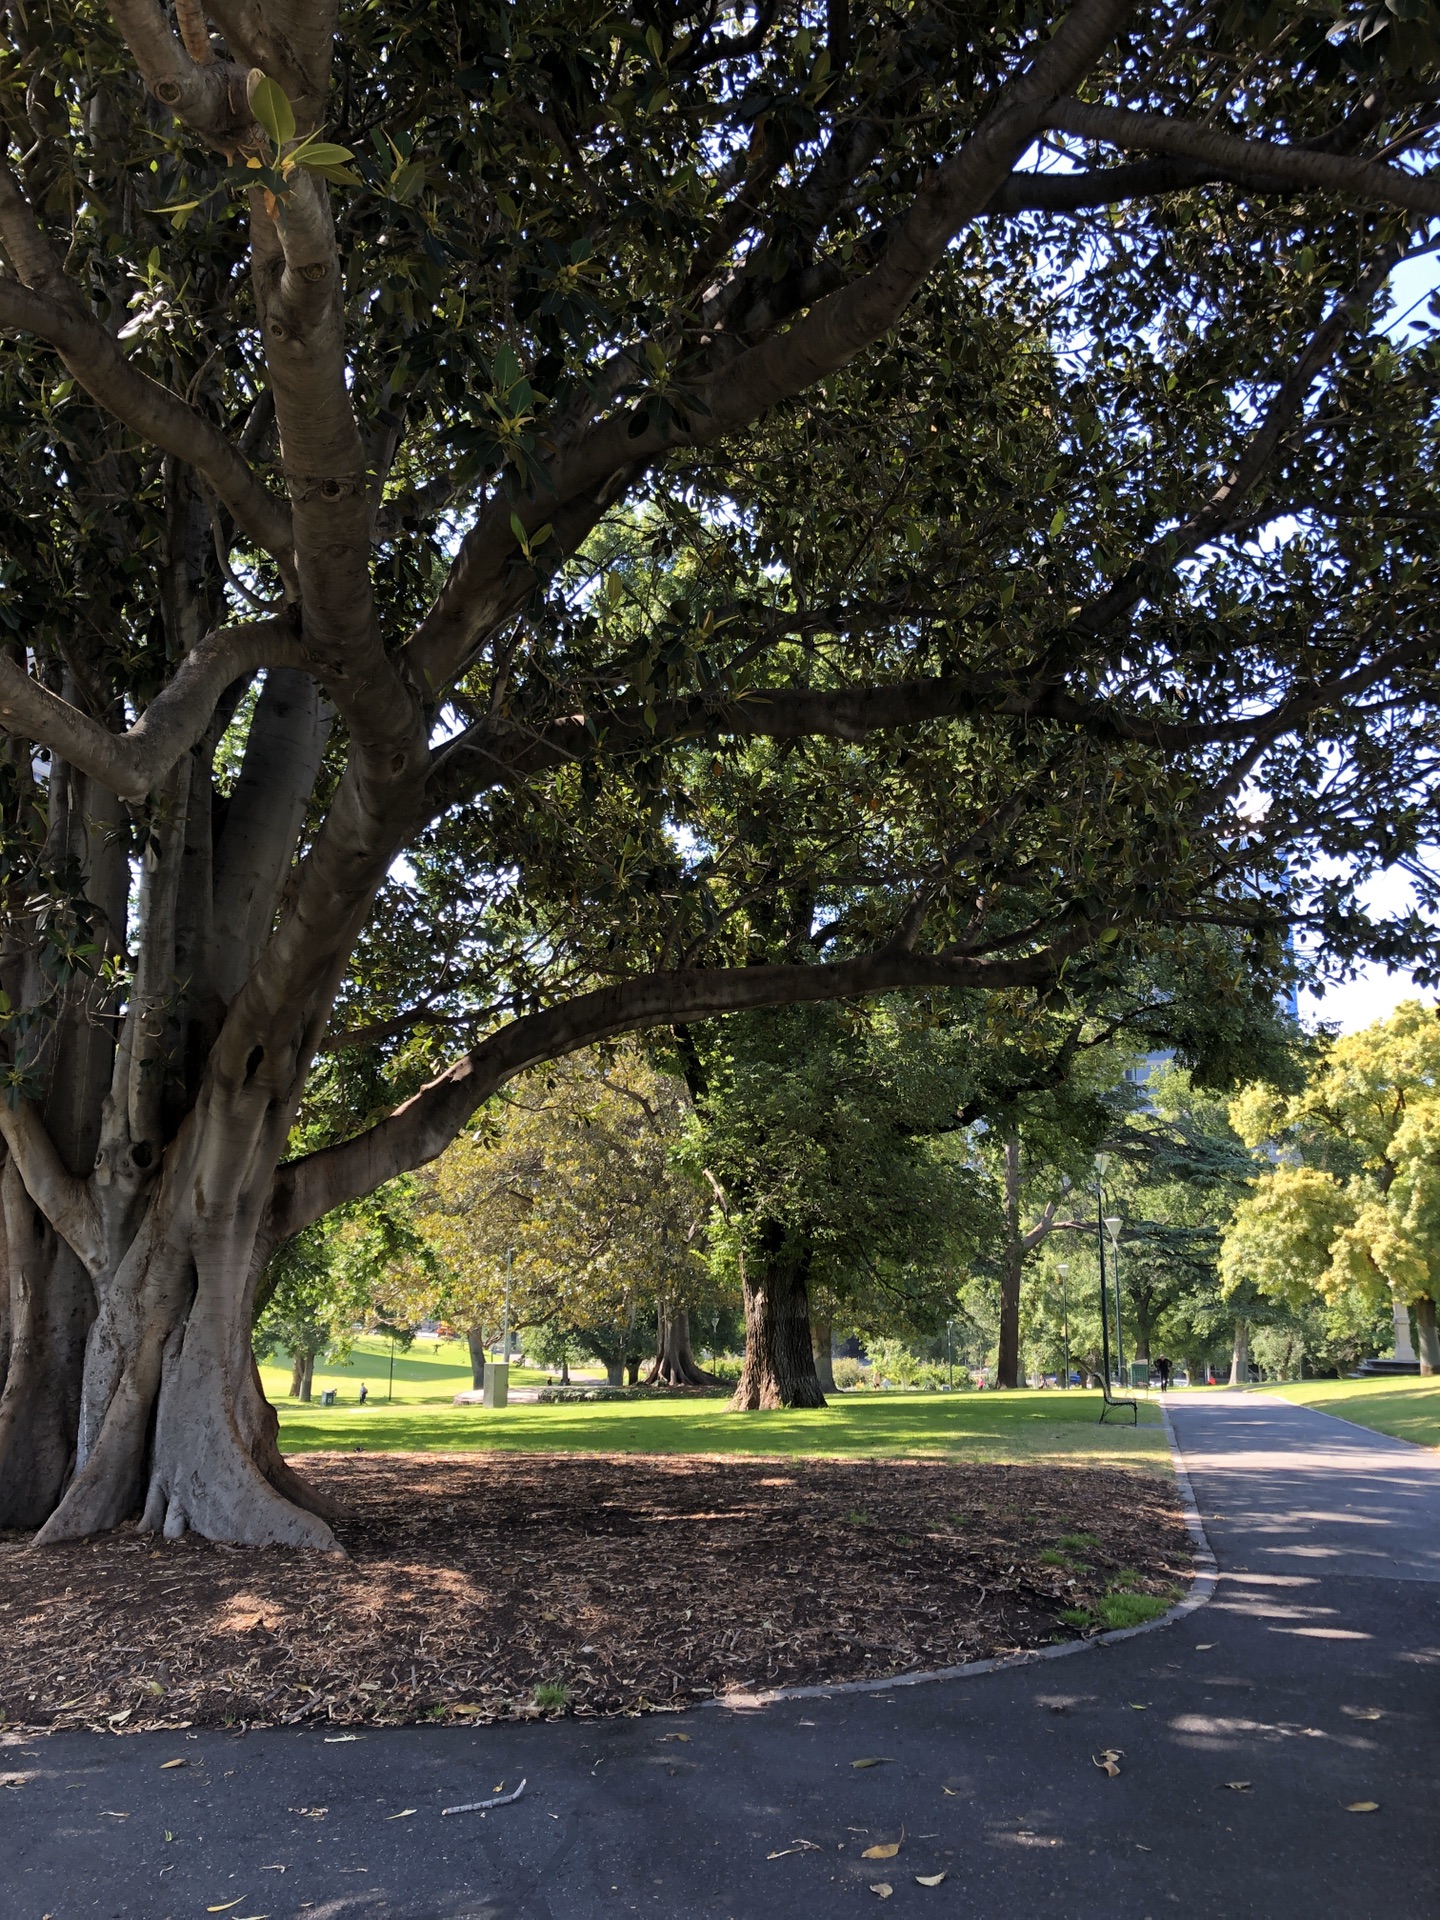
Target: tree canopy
[1351, 1204]
[527, 523]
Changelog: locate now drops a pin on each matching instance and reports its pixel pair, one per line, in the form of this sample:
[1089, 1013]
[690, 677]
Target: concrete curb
[1202, 1589]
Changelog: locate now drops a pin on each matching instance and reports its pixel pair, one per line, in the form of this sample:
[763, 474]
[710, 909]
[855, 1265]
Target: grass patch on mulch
[497, 1587]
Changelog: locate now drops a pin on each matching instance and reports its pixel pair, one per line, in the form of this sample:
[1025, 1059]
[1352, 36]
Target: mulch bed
[632, 1582]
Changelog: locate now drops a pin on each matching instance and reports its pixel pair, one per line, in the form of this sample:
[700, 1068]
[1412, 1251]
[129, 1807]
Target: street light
[1113, 1224]
[1064, 1271]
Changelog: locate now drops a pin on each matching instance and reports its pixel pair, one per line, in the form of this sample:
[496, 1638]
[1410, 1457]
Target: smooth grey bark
[674, 1363]
[475, 1339]
[1240, 1355]
[1427, 1336]
[822, 1344]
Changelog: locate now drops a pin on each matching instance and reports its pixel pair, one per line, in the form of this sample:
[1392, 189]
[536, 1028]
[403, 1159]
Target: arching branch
[132, 763]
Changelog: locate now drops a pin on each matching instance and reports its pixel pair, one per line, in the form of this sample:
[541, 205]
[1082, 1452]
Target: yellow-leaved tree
[570, 1173]
[1352, 1202]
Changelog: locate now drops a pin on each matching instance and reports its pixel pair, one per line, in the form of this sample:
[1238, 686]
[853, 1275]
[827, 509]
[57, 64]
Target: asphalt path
[1312, 1677]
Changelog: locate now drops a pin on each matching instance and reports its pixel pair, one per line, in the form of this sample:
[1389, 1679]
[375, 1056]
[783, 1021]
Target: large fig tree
[526, 522]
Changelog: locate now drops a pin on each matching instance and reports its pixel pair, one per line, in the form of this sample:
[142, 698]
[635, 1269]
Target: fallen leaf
[954, 1792]
[675, 1736]
[1109, 1761]
[118, 1719]
[340, 1739]
[166, 1765]
[1362, 1713]
[1138, 1706]
[877, 1760]
[1363, 1806]
[883, 1888]
[402, 1816]
[1238, 1786]
[887, 1851]
[1205, 1646]
[928, 1879]
[115, 1816]
[228, 1905]
[783, 1852]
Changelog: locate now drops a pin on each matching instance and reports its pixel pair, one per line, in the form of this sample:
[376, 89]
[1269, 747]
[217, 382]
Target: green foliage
[1351, 1205]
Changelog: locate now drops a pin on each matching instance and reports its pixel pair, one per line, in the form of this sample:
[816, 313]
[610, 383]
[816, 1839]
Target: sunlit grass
[1030, 1426]
[1408, 1406]
[432, 1370]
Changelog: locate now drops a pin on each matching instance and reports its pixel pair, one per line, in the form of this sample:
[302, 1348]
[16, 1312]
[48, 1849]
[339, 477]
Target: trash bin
[497, 1383]
[327, 1398]
[1139, 1373]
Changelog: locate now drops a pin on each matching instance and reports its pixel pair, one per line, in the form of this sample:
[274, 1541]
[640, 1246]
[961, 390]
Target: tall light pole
[505, 1334]
[1113, 1225]
[1065, 1317]
[1102, 1161]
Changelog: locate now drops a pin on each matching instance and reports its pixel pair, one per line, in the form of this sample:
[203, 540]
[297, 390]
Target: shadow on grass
[1024, 1426]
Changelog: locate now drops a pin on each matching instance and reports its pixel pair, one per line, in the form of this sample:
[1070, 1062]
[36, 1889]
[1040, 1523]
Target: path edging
[1202, 1589]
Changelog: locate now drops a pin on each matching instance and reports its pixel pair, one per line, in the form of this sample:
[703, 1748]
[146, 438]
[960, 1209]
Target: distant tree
[1351, 1204]
[572, 1175]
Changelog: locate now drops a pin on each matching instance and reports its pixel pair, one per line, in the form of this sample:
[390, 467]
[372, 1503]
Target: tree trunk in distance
[1240, 1356]
[614, 1373]
[779, 1368]
[632, 1370]
[475, 1339]
[1007, 1361]
[675, 1364]
[821, 1340]
[1427, 1338]
[302, 1375]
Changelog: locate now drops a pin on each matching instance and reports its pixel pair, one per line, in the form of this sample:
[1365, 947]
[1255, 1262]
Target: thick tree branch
[830, 334]
[66, 1202]
[1274, 162]
[209, 98]
[133, 763]
[426, 1124]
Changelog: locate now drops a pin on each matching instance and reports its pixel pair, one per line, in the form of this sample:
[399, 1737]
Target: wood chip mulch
[631, 1582]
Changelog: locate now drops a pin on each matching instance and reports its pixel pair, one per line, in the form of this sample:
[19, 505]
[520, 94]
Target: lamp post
[950, 1349]
[505, 1334]
[1065, 1317]
[1113, 1225]
[1102, 1161]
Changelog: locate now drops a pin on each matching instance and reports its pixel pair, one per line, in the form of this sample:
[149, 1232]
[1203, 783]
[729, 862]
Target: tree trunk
[50, 1304]
[1007, 1361]
[615, 1373]
[821, 1341]
[1427, 1339]
[779, 1368]
[302, 1375]
[475, 1338]
[675, 1364]
[1240, 1356]
[632, 1370]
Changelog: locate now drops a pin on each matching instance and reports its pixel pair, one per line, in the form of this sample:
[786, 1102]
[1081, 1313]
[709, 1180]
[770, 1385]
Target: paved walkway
[1313, 1675]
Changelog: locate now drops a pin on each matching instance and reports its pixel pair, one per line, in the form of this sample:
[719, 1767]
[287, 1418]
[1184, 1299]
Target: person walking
[364, 1393]
[1162, 1372]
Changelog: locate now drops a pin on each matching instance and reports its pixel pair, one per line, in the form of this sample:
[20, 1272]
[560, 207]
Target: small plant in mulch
[551, 1695]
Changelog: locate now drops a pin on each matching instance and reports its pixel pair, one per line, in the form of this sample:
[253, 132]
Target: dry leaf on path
[227, 1906]
[1205, 1646]
[1363, 1806]
[166, 1765]
[1109, 1761]
[404, 1813]
[340, 1739]
[886, 1851]
[1363, 1713]
[928, 1879]
[876, 1760]
[883, 1888]
[1238, 1786]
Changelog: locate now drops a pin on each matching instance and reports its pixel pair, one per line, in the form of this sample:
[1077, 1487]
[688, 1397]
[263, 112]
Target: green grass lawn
[433, 1370]
[1032, 1426]
[1407, 1407]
